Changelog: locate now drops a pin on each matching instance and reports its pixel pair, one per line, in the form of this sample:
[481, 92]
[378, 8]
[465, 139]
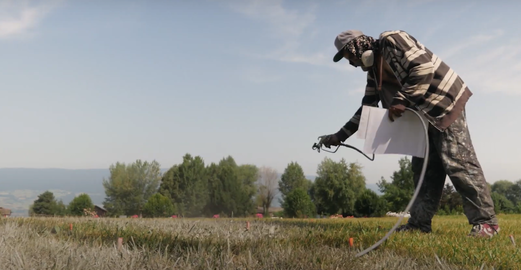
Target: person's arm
[413, 64]
[370, 98]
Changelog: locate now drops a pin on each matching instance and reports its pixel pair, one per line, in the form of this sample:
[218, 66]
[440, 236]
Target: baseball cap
[342, 39]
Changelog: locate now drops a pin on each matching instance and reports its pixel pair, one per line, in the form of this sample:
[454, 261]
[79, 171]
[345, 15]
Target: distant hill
[19, 187]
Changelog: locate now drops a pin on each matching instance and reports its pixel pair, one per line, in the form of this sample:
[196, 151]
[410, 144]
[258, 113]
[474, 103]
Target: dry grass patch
[47, 243]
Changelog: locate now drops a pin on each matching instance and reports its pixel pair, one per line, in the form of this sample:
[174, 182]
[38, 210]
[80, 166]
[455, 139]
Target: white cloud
[288, 25]
[291, 27]
[494, 66]
[18, 16]
[472, 41]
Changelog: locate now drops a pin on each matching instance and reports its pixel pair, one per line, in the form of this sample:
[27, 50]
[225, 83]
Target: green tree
[216, 194]
[511, 190]
[292, 178]
[230, 189]
[369, 204]
[502, 204]
[451, 202]
[399, 192]
[186, 186]
[79, 203]
[158, 206]
[502, 186]
[130, 186]
[45, 204]
[61, 208]
[298, 204]
[337, 187]
[248, 175]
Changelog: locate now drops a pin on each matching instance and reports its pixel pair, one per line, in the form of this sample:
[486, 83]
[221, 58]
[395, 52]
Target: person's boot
[484, 230]
[409, 228]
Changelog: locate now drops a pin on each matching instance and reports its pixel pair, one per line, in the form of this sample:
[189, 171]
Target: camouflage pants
[451, 153]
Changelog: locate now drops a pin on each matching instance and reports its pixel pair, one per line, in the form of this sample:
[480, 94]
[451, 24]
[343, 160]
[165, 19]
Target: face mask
[367, 58]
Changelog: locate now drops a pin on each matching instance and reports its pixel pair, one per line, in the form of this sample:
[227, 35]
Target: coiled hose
[420, 182]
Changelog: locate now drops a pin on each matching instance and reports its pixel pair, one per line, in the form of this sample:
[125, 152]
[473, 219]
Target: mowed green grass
[283, 243]
[448, 242]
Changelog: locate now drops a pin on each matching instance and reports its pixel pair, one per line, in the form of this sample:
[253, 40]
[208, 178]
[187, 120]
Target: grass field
[49, 243]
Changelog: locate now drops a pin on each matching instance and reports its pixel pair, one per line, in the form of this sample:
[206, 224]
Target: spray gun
[320, 146]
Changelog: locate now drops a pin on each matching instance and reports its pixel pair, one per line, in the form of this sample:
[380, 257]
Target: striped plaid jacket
[421, 81]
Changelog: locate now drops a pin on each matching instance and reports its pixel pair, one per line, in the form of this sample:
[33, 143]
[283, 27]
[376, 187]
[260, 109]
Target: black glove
[330, 140]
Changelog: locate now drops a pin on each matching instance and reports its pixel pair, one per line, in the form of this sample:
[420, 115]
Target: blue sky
[88, 83]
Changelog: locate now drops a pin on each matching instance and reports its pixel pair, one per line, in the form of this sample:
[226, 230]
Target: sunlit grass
[449, 240]
[290, 243]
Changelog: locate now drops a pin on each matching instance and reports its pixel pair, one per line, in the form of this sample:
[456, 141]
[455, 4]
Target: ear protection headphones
[367, 58]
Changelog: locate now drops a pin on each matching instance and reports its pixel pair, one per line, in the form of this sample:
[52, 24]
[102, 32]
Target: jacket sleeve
[414, 66]
[371, 98]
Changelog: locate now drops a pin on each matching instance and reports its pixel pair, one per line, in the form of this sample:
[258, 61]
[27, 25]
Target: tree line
[47, 205]
[195, 189]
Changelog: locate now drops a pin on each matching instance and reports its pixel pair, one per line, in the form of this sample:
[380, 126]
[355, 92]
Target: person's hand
[396, 111]
[330, 140]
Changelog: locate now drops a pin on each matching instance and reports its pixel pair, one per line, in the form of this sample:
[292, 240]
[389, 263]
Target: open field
[48, 243]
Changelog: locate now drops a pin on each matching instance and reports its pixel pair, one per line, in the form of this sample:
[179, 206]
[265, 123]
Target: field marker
[120, 242]
[247, 225]
[351, 241]
[70, 226]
